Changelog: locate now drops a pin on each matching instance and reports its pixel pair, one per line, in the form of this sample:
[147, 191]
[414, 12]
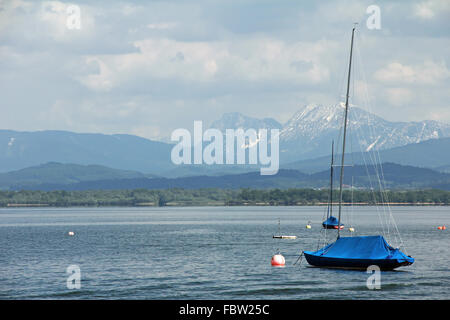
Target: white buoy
[278, 260]
[71, 233]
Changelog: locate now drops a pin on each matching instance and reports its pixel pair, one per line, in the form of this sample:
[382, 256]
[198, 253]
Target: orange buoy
[442, 228]
[278, 260]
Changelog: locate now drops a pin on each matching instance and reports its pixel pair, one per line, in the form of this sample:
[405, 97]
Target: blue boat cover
[362, 247]
[331, 221]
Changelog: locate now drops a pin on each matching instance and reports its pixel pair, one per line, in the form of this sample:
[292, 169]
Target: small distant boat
[331, 222]
[279, 236]
[285, 237]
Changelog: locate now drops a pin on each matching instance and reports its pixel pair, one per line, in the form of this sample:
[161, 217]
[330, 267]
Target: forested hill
[214, 197]
[393, 176]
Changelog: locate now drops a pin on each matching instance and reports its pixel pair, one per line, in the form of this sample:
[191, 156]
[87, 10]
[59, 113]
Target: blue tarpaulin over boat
[331, 222]
[358, 252]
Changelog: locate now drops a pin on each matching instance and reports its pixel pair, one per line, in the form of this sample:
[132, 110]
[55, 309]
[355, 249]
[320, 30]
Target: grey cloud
[256, 57]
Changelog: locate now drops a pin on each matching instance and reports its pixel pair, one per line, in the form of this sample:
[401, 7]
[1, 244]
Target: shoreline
[210, 204]
[218, 197]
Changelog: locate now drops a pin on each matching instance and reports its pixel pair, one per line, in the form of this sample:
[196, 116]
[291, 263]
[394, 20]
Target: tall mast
[330, 205]
[345, 131]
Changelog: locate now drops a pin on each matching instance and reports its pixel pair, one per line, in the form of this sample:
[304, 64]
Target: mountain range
[305, 145]
[20, 150]
[308, 134]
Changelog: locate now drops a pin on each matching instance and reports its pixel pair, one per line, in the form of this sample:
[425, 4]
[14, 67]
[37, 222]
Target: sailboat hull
[358, 253]
[327, 226]
[358, 264]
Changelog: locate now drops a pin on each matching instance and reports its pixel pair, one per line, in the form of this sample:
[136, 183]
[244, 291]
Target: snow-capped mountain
[308, 134]
[310, 131]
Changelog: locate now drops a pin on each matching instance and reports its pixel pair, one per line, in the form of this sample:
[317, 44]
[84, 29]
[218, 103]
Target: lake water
[207, 253]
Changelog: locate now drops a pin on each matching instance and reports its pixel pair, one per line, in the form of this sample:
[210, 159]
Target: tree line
[215, 196]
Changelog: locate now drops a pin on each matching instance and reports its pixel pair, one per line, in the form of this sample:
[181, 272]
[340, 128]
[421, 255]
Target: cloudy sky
[147, 68]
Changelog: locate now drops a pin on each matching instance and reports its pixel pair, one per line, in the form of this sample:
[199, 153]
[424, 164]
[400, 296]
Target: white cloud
[399, 96]
[342, 11]
[162, 25]
[103, 80]
[129, 9]
[211, 66]
[158, 65]
[429, 73]
[438, 114]
[429, 9]
[241, 60]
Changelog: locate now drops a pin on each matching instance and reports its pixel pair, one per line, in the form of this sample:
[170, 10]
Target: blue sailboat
[359, 253]
[331, 222]
[356, 252]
